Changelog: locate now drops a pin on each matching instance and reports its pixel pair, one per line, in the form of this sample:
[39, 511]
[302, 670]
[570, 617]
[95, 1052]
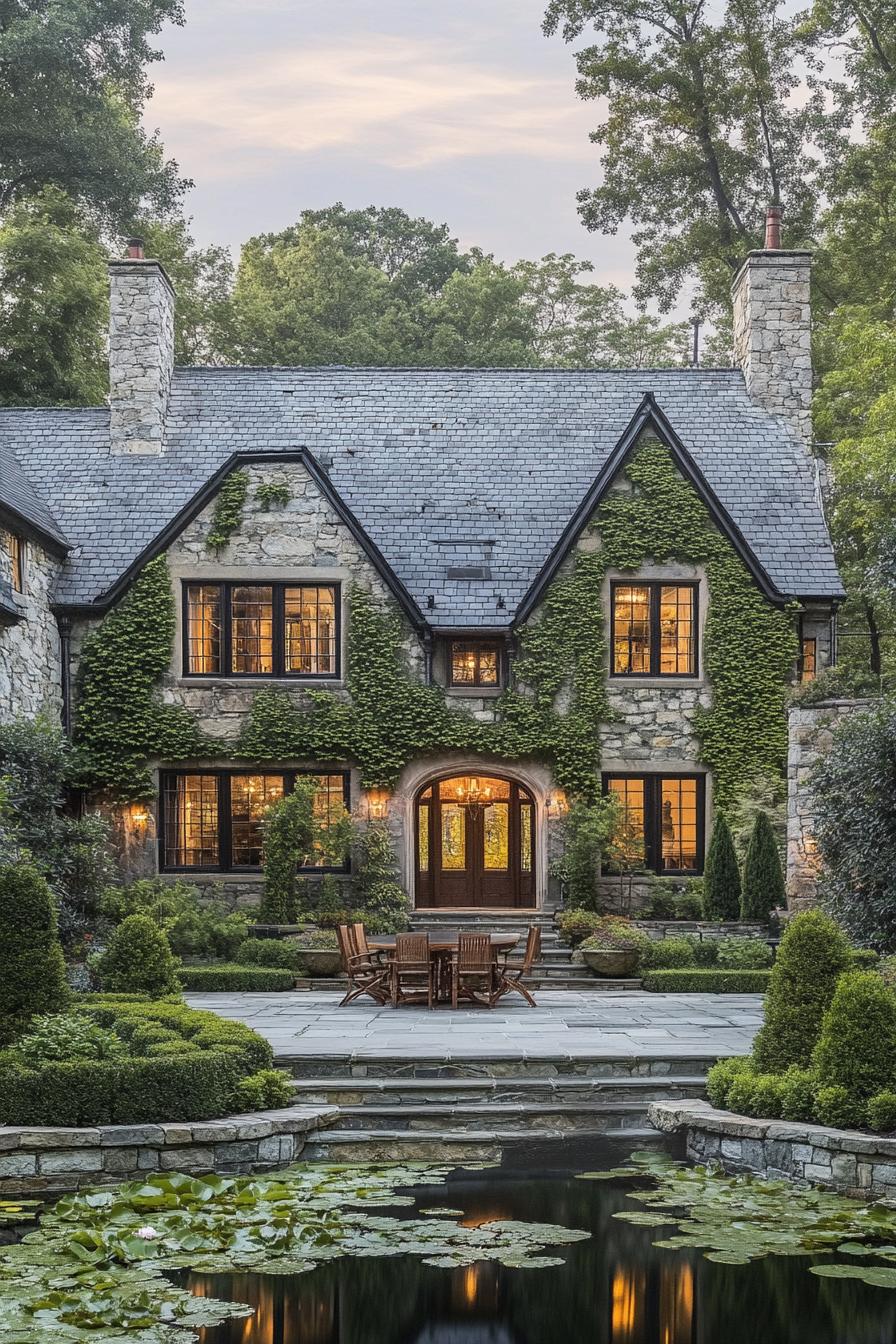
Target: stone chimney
[772, 329]
[141, 351]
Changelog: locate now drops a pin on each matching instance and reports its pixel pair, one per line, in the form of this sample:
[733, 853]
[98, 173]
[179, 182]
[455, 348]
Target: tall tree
[72, 88]
[53, 305]
[203, 281]
[855, 408]
[701, 133]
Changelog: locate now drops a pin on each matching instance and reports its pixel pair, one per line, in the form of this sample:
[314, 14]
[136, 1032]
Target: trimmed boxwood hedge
[710, 981]
[227, 978]
[184, 1065]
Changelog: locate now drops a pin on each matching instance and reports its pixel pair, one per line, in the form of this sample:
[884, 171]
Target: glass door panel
[454, 837]
[496, 837]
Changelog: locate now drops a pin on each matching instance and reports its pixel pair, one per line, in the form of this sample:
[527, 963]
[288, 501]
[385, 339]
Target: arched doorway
[475, 843]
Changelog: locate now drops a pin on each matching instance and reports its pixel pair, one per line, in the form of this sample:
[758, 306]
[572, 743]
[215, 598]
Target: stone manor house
[455, 597]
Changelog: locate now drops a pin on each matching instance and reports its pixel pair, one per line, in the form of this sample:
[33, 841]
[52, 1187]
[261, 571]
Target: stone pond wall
[37, 1161]
[30, 661]
[810, 732]
[857, 1164]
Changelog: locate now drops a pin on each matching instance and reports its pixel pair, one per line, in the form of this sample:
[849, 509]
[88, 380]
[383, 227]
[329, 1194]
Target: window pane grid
[191, 822]
[678, 822]
[631, 629]
[474, 664]
[654, 630]
[628, 841]
[676, 631]
[252, 629]
[250, 797]
[204, 644]
[310, 631]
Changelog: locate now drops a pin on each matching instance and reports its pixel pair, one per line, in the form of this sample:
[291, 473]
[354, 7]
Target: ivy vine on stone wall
[553, 711]
[228, 511]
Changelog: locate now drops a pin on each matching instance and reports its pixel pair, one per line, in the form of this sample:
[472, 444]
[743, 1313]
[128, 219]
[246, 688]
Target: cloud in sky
[464, 113]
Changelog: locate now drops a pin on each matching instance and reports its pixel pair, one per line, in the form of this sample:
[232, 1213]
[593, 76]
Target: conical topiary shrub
[138, 960]
[857, 1045]
[763, 889]
[32, 967]
[812, 956]
[721, 879]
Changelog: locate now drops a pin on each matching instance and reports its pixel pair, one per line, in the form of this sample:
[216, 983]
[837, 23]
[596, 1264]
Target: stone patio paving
[565, 1024]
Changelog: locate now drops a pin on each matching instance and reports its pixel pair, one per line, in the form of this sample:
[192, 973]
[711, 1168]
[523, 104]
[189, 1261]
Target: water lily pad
[614, 1174]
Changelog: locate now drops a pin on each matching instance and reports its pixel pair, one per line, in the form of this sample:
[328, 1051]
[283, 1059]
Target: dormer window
[475, 664]
[654, 629]
[14, 545]
[261, 630]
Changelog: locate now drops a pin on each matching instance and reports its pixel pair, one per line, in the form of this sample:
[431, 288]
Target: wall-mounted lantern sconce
[377, 801]
[557, 804]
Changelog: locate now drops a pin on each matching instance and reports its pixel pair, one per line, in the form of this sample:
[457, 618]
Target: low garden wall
[675, 928]
[852, 1162]
[36, 1161]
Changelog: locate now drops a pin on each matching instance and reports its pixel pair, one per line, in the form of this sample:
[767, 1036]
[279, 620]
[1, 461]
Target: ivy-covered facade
[462, 601]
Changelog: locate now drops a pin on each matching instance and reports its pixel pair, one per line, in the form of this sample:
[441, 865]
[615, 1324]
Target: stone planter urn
[319, 961]
[612, 963]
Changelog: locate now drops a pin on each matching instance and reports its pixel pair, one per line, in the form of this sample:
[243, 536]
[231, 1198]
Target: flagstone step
[507, 1116]
[484, 1145]
[366, 1093]
[506, 1066]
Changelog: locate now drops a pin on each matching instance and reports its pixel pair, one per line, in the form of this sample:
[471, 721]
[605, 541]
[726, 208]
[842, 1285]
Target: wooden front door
[475, 843]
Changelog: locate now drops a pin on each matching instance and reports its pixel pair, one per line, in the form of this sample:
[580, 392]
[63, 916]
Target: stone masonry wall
[772, 334]
[45, 1160]
[810, 733]
[141, 355]
[857, 1164]
[30, 661]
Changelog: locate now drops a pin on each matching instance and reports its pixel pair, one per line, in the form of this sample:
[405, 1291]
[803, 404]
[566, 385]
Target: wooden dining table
[442, 946]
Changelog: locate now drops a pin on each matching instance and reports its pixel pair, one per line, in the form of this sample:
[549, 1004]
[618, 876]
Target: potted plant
[317, 952]
[614, 949]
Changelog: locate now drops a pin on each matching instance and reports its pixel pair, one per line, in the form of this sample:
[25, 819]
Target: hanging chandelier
[472, 793]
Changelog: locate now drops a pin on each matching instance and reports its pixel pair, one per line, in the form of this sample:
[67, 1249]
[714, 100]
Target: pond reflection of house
[652, 1306]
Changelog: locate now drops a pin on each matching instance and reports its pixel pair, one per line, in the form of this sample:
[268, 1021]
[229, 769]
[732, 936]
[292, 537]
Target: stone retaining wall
[853, 1162]
[42, 1160]
[676, 928]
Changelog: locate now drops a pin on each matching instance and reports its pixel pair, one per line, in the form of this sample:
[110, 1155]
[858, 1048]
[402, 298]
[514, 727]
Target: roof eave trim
[32, 531]
[194, 507]
[647, 415]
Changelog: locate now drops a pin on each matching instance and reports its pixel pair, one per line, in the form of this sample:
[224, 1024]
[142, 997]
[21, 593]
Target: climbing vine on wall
[228, 511]
[553, 711]
[121, 721]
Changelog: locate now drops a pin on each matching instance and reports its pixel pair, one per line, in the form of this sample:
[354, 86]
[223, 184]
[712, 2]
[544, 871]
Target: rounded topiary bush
[721, 1076]
[882, 1112]
[798, 1094]
[812, 955]
[857, 1046]
[837, 1107]
[138, 960]
[32, 967]
[763, 886]
[668, 953]
[742, 1093]
[767, 1096]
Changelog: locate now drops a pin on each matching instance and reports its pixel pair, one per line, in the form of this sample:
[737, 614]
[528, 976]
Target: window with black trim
[661, 824]
[654, 629]
[14, 545]
[212, 819]
[808, 660]
[474, 662]
[261, 630]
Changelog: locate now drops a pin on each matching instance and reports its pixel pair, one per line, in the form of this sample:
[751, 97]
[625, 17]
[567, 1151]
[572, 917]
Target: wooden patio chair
[474, 970]
[412, 970]
[512, 974]
[365, 976]
[363, 949]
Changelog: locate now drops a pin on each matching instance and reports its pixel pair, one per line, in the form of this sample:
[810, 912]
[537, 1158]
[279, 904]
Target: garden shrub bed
[180, 1064]
[710, 981]
[229, 978]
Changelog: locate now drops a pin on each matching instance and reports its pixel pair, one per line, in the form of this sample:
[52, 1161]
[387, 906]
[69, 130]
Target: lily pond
[639, 1250]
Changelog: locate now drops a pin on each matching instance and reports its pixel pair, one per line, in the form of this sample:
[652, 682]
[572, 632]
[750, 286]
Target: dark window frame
[654, 587]
[16, 545]
[278, 635]
[653, 817]
[492, 645]
[225, 862]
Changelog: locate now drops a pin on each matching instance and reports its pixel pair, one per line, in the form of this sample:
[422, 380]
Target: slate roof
[19, 497]
[476, 471]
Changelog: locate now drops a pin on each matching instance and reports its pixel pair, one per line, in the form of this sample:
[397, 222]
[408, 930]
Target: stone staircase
[443, 1109]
